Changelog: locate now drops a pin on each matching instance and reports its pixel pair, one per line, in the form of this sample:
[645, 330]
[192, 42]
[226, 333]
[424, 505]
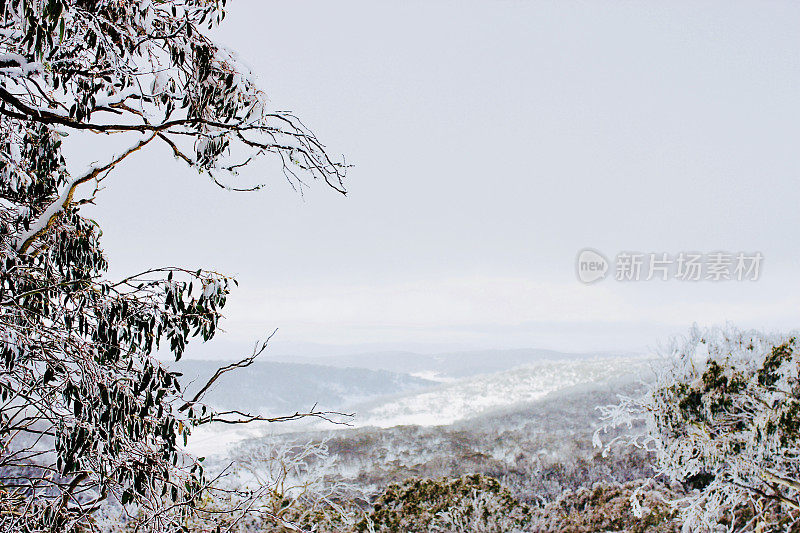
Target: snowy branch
[63, 202]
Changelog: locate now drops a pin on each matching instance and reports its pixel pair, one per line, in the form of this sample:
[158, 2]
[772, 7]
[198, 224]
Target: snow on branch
[158, 73]
[50, 215]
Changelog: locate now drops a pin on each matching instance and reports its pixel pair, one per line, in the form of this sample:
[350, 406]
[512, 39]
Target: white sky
[492, 141]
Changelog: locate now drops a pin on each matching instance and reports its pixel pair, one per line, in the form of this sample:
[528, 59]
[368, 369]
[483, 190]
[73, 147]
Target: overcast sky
[492, 141]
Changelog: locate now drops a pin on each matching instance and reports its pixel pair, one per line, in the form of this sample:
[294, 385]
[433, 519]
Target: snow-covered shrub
[723, 419]
[473, 503]
[297, 486]
[273, 485]
[606, 507]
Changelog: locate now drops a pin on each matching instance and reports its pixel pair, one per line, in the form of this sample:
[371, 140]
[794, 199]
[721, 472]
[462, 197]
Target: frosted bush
[723, 419]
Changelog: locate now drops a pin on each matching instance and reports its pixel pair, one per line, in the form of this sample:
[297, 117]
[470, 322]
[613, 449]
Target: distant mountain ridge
[468, 397]
[379, 398]
[279, 388]
[447, 365]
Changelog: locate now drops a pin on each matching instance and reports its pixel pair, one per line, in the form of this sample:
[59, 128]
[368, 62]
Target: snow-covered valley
[379, 398]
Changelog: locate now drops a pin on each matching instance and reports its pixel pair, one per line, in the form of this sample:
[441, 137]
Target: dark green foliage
[76, 364]
[475, 501]
[768, 373]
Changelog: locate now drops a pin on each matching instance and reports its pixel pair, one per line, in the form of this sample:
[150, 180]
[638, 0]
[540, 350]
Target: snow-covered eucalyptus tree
[87, 415]
[723, 419]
